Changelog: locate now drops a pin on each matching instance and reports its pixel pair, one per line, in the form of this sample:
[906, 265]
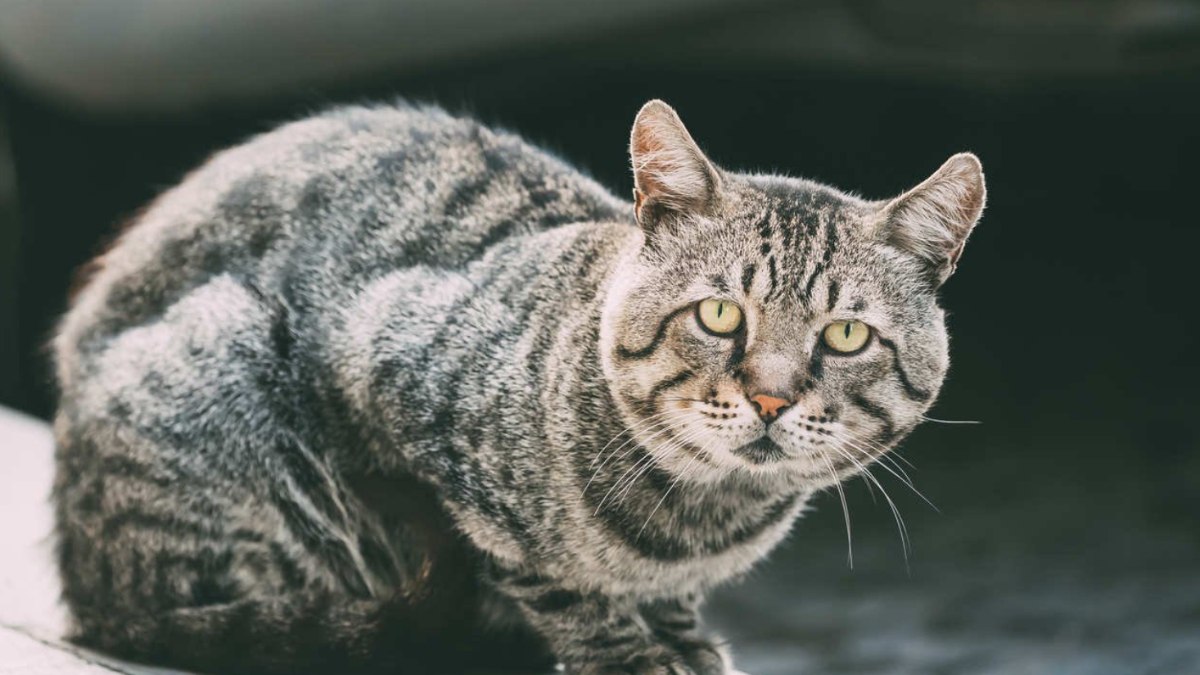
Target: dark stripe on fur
[669, 383]
[606, 641]
[876, 411]
[738, 352]
[831, 242]
[626, 521]
[914, 392]
[141, 520]
[659, 335]
[832, 299]
[748, 277]
[554, 601]
[130, 469]
[817, 368]
[773, 274]
[679, 626]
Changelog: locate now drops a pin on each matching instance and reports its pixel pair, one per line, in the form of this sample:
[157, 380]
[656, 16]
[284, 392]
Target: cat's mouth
[761, 451]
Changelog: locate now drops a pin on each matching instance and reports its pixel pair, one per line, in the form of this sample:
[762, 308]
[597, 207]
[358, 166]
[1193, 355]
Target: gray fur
[385, 376]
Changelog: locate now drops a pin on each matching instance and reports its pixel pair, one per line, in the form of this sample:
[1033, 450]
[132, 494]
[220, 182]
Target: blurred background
[1068, 537]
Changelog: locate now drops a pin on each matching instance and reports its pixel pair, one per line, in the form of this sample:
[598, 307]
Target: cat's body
[379, 378]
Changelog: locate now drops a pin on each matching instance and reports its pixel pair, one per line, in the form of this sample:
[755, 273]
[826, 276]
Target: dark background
[1069, 536]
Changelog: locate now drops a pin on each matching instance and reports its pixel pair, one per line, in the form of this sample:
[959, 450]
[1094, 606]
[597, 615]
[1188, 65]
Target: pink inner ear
[649, 152]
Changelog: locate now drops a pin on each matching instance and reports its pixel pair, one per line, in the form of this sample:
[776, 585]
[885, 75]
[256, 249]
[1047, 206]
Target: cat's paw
[698, 658]
[704, 657]
[640, 665]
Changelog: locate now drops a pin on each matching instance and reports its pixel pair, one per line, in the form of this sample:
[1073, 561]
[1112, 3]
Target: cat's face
[777, 326]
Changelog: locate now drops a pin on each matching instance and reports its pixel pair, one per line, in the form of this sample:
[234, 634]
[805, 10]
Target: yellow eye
[847, 337]
[720, 317]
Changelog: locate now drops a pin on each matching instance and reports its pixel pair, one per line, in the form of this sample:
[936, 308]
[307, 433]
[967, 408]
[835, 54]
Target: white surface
[28, 582]
[26, 655]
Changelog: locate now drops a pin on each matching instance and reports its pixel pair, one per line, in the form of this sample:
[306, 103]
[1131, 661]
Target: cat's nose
[769, 407]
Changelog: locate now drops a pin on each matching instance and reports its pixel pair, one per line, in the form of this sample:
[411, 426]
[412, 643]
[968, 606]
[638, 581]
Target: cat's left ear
[671, 176]
[933, 220]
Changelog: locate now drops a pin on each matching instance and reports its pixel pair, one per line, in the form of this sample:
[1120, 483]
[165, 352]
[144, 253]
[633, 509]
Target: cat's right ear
[671, 176]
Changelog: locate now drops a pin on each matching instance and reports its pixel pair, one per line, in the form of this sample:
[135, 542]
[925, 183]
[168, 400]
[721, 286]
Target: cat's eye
[719, 317]
[846, 337]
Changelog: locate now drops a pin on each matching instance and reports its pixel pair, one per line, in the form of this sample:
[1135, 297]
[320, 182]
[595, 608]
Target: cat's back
[340, 197]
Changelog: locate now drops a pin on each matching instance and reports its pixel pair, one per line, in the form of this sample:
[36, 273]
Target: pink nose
[768, 406]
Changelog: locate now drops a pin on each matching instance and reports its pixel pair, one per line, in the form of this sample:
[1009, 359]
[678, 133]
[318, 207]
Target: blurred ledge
[142, 55]
[126, 55]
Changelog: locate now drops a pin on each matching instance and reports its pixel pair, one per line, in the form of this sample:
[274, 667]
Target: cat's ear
[671, 175]
[933, 220]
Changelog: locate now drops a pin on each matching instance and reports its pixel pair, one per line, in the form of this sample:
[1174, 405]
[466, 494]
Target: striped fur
[384, 383]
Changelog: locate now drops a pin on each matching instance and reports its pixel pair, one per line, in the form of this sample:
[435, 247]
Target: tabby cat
[386, 390]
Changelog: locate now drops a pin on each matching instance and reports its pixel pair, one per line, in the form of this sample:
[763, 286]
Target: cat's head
[774, 325]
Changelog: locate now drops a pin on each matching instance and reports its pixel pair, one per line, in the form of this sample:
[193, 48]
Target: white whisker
[902, 475]
[845, 510]
[676, 444]
[662, 424]
[905, 544]
[937, 421]
[674, 482]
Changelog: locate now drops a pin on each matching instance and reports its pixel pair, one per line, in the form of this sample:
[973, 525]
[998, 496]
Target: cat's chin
[768, 460]
[761, 451]
[762, 461]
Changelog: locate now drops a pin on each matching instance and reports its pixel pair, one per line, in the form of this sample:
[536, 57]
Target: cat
[387, 390]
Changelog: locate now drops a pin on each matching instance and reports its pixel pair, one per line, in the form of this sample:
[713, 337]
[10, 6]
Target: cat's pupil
[720, 309]
[848, 325]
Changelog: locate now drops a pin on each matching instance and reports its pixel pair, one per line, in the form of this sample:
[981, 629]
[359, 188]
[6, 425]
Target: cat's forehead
[791, 244]
[778, 224]
[796, 206]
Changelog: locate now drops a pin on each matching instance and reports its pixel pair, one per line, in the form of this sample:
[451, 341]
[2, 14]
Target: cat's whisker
[882, 453]
[938, 421]
[905, 543]
[662, 419]
[666, 492]
[870, 488]
[628, 429]
[683, 474]
[900, 456]
[661, 425]
[682, 399]
[645, 460]
[891, 453]
[632, 430]
[845, 511]
[902, 476]
[641, 465]
[677, 444]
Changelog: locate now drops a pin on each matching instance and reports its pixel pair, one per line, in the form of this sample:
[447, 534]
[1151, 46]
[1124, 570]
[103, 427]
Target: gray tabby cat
[386, 389]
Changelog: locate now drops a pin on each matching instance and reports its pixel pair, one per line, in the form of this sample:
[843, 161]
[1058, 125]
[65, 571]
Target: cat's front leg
[596, 634]
[676, 622]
